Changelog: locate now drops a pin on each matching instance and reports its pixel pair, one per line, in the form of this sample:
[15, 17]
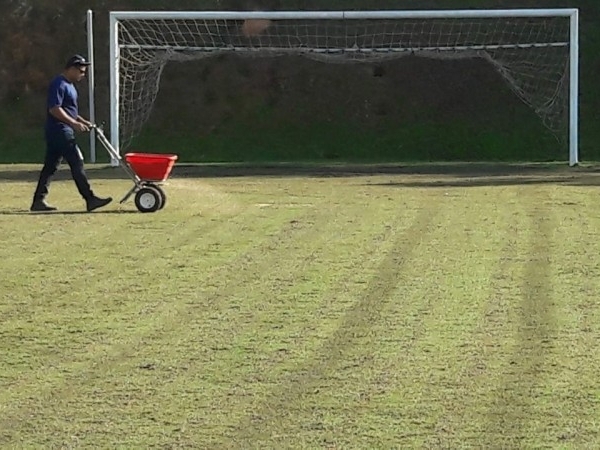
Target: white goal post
[535, 50]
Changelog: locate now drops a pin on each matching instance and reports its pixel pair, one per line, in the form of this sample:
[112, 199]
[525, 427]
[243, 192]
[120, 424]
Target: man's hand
[80, 126]
[87, 123]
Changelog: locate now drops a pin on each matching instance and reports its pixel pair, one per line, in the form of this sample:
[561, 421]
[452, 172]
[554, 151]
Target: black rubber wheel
[162, 195]
[148, 199]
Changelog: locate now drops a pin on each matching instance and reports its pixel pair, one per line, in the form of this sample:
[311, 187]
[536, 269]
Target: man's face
[77, 73]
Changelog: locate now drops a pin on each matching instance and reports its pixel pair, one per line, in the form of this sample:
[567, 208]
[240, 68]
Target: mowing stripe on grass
[413, 398]
[441, 361]
[269, 325]
[517, 365]
[168, 316]
[564, 411]
[481, 247]
[264, 424]
[523, 372]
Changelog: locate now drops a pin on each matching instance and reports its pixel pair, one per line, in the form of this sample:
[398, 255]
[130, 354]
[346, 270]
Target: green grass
[343, 142]
[427, 141]
[304, 307]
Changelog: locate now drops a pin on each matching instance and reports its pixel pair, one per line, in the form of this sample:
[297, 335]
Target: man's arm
[61, 115]
[84, 121]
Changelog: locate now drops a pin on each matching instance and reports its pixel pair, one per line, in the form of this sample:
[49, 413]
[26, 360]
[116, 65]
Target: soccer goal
[534, 50]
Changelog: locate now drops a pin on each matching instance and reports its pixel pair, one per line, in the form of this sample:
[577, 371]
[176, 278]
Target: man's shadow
[64, 213]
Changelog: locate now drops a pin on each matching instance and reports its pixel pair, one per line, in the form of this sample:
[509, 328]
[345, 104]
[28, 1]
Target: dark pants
[61, 146]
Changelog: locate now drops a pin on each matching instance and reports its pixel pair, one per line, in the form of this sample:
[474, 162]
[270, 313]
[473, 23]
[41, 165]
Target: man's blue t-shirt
[63, 93]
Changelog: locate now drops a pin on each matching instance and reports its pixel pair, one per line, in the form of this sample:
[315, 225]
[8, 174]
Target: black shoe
[41, 206]
[96, 202]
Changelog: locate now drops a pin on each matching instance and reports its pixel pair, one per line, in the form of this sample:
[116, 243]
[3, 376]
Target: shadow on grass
[442, 174]
[497, 181]
[24, 212]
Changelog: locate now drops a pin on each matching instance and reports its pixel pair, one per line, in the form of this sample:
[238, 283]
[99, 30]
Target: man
[62, 121]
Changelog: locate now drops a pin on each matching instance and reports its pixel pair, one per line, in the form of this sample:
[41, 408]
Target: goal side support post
[118, 18]
[574, 87]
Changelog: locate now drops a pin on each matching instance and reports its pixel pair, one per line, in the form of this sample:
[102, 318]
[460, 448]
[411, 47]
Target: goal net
[535, 51]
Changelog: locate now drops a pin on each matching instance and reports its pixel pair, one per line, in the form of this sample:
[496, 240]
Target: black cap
[77, 61]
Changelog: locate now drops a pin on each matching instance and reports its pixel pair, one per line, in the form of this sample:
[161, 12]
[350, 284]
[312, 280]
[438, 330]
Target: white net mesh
[532, 54]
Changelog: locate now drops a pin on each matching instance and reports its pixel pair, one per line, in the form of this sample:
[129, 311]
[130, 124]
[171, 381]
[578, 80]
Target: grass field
[304, 307]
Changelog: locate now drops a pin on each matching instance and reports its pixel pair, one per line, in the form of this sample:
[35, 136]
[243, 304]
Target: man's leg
[51, 164]
[74, 158]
